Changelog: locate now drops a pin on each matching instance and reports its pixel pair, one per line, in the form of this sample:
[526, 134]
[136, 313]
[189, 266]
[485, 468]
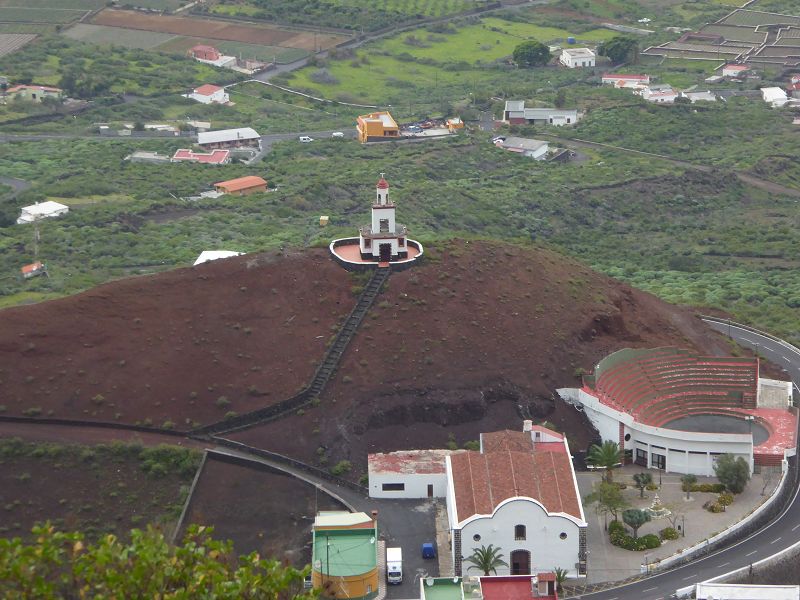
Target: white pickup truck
[394, 565]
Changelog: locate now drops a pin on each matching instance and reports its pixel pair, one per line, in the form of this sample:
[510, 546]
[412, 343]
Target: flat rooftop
[423, 462]
[343, 553]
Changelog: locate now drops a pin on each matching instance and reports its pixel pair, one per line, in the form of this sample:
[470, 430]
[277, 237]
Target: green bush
[650, 541]
[668, 533]
[725, 499]
[651, 487]
[715, 488]
[342, 467]
[616, 527]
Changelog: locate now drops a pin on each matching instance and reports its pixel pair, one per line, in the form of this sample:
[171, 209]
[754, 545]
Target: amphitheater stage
[720, 424]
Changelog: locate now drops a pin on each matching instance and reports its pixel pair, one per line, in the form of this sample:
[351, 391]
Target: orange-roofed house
[32, 270]
[209, 94]
[242, 186]
[377, 127]
[33, 93]
[203, 52]
[519, 492]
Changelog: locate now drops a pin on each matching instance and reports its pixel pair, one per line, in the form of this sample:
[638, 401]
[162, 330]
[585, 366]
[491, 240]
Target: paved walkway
[609, 563]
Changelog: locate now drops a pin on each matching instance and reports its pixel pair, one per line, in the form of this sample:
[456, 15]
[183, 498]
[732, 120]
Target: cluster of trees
[531, 54]
[620, 49]
[65, 565]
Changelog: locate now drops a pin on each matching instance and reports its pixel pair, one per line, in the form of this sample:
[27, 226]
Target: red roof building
[242, 186]
[32, 270]
[519, 492]
[215, 157]
[204, 52]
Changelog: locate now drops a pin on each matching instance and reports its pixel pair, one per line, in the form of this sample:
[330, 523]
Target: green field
[40, 15]
[127, 38]
[82, 5]
[356, 15]
[168, 5]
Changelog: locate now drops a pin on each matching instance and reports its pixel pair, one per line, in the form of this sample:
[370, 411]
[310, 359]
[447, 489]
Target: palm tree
[561, 577]
[487, 559]
[607, 455]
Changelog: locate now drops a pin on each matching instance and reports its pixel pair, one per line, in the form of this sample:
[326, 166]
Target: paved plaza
[609, 563]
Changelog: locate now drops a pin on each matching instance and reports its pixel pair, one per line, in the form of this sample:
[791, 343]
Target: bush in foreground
[62, 565]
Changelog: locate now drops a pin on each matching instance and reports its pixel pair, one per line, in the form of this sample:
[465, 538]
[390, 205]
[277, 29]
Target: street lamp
[683, 525]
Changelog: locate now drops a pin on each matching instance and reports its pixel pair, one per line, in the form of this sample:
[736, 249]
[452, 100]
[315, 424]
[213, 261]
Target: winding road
[779, 535]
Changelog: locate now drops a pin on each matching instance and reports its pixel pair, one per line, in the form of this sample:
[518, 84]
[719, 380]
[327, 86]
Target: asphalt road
[780, 534]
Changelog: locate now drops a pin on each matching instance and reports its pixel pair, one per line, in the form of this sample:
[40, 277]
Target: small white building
[707, 96]
[518, 493]
[736, 591]
[734, 70]
[384, 238]
[41, 210]
[775, 96]
[408, 474]
[209, 94]
[229, 138]
[209, 255]
[623, 80]
[515, 113]
[660, 94]
[535, 149]
[577, 57]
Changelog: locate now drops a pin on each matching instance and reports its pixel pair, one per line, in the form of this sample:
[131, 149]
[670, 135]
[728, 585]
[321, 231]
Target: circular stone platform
[720, 424]
[346, 251]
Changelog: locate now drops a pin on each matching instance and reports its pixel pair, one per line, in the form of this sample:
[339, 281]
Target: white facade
[551, 539]
[735, 591]
[775, 96]
[208, 96]
[577, 57]
[408, 474]
[660, 94]
[227, 136]
[41, 210]
[209, 255]
[384, 238]
[682, 451]
[734, 70]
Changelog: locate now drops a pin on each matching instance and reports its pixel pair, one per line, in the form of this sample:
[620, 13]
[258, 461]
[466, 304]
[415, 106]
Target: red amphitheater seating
[661, 384]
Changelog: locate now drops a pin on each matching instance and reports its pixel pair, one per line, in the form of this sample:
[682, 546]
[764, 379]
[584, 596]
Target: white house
[209, 94]
[734, 70]
[41, 210]
[577, 57]
[515, 113]
[660, 94]
[635, 396]
[408, 474]
[229, 138]
[536, 149]
[519, 492]
[707, 96]
[209, 255]
[623, 80]
[775, 96]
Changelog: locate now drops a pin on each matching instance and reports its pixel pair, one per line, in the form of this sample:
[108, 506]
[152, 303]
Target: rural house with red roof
[519, 492]
[33, 93]
[209, 94]
[241, 186]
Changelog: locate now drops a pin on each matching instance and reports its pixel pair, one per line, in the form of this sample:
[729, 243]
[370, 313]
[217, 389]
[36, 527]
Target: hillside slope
[473, 339]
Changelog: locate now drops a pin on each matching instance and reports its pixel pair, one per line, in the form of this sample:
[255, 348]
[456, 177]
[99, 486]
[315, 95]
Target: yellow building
[455, 123]
[377, 127]
[345, 555]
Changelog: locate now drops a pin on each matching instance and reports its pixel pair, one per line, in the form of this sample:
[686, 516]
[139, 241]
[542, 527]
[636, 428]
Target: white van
[305, 139]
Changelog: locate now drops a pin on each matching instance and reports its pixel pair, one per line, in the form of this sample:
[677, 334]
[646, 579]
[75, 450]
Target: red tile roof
[31, 267]
[241, 183]
[482, 481]
[410, 461]
[215, 157]
[207, 89]
[383, 184]
[512, 588]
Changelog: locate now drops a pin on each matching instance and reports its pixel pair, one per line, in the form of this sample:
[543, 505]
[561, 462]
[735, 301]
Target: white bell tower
[383, 239]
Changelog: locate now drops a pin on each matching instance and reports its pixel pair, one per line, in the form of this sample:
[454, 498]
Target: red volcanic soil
[83, 488]
[477, 337]
[184, 347]
[259, 509]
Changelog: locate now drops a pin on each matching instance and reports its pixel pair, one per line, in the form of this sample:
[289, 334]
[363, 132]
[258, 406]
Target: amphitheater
[673, 410]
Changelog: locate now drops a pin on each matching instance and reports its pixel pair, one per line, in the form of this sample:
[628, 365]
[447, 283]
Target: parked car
[337, 134]
[428, 550]
[305, 139]
[415, 129]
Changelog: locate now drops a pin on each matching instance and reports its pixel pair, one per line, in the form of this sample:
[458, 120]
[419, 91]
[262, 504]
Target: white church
[384, 239]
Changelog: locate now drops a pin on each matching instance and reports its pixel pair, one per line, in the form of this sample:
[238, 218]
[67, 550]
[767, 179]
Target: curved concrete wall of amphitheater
[684, 451]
